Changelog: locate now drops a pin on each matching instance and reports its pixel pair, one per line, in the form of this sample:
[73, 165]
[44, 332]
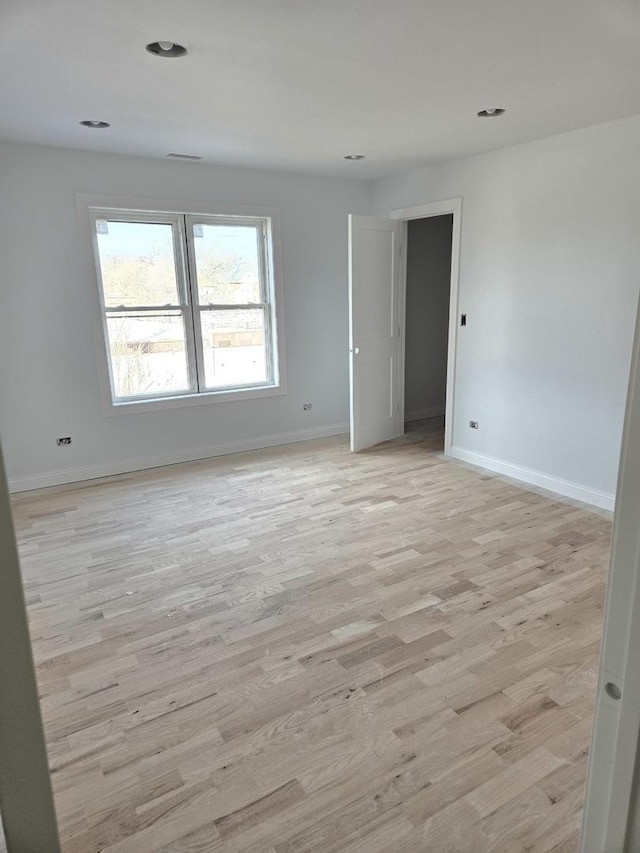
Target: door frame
[611, 815]
[28, 812]
[425, 211]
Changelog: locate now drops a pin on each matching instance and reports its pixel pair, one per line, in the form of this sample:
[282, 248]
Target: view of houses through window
[187, 303]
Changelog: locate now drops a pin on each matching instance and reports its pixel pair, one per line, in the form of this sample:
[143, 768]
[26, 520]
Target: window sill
[155, 404]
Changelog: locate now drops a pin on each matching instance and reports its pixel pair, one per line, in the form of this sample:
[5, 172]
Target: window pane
[227, 263]
[148, 353]
[234, 351]
[137, 263]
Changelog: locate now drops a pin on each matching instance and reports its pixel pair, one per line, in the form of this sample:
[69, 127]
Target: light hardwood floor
[301, 650]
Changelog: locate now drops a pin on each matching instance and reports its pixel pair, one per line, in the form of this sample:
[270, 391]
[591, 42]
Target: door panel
[376, 389]
[376, 269]
[611, 821]
[374, 255]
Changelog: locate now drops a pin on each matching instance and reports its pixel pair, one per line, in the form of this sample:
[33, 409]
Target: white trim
[125, 466]
[123, 205]
[603, 500]
[158, 205]
[205, 398]
[423, 414]
[402, 326]
[422, 211]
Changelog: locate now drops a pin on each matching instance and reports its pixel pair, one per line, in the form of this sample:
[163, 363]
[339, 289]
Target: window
[187, 303]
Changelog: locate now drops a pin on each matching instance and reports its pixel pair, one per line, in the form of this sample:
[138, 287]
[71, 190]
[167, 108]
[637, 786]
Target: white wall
[427, 313]
[550, 263]
[550, 266]
[48, 375]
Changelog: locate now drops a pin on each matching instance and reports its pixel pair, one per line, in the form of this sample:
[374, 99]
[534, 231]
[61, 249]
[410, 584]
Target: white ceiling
[296, 84]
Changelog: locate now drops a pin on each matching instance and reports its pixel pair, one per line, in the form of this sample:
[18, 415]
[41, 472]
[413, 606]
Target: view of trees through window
[162, 314]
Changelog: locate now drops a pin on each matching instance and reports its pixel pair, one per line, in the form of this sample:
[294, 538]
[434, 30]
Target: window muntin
[165, 335]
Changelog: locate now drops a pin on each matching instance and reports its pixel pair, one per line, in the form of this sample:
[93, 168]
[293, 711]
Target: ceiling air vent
[185, 156]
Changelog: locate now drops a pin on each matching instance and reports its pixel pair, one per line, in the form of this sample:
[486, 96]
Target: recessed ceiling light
[492, 112]
[185, 156]
[167, 49]
[354, 157]
[95, 125]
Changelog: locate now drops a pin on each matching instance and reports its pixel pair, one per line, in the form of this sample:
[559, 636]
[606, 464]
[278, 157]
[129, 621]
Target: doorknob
[355, 350]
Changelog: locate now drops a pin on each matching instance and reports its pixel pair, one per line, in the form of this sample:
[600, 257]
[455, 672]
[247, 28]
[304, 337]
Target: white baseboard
[537, 478]
[125, 466]
[423, 414]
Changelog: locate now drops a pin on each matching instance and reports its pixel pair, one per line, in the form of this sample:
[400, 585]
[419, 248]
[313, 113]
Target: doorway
[444, 212]
[377, 312]
[427, 305]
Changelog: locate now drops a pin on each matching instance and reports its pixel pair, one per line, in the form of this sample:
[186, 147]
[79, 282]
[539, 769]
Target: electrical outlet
[65, 439]
[474, 425]
[306, 407]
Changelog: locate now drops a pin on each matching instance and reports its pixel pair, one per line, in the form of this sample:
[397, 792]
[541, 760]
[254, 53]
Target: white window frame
[91, 208]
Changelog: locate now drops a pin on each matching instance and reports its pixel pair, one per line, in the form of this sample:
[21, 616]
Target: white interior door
[374, 340]
[611, 822]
